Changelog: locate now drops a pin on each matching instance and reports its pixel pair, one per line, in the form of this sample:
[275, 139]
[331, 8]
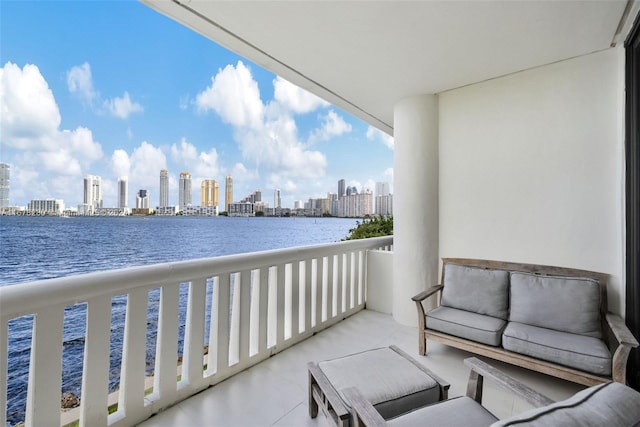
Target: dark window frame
[632, 205]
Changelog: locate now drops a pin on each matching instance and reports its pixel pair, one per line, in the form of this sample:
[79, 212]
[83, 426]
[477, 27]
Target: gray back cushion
[479, 290]
[565, 304]
[609, 404]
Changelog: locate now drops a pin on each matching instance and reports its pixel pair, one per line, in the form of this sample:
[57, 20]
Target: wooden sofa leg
[422, 343]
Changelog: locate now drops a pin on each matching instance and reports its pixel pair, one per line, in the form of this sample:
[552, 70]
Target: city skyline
[378, 203]
[105, 108]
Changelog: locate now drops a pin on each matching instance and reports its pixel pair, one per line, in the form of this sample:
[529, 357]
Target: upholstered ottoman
[389, 378]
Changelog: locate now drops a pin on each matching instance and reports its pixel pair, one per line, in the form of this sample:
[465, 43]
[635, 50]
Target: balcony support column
[415, 210]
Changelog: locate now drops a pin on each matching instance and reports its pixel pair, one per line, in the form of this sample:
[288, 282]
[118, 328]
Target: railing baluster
[329, 290]
[45, 367]
[95, 375]
[280, 304]
[308, 294]
[4, 354]
[339, 289]
[165, 381]
[318, 305]
[263, 311]
[193, 352]
[244, 315]
[295, 299]
[348, 283]
[361, 277]
[222, 339]
[132, 379]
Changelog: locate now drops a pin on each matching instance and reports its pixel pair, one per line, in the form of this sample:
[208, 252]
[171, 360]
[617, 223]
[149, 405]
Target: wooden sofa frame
[616, 335]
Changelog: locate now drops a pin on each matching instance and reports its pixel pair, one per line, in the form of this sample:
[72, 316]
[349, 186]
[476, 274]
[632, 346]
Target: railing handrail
[26, 298]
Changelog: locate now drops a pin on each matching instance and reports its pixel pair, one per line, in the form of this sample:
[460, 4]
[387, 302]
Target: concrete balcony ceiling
[365, 56]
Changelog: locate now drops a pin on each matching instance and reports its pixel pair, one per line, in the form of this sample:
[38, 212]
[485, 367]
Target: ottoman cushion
[393, 384]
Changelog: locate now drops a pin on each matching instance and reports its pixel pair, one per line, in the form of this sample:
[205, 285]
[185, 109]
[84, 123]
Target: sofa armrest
[480, 369]
[422, 344]
[362, 411]
[427, 293]
[620, 331]
[620, 350]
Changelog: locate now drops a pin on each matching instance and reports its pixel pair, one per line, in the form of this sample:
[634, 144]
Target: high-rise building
[382, 188]
[209, 193]
[142, 199]
[164, 188]
[93, 192]
[228, 192]
[123, 192]
[46, 206]
[277, 201]
[5, 184]
[184, 190]
[341, 188]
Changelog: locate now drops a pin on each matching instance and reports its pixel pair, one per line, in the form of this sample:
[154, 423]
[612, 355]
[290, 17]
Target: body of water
[35, 248]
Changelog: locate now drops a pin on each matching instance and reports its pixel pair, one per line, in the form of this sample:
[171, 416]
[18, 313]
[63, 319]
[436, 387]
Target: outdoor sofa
[552, 320]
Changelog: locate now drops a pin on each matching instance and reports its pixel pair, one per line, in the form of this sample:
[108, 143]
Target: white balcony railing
[246, 307]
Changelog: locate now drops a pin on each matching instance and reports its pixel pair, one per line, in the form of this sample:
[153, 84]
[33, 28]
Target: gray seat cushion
[393, 384]
[479, 290]
[465, 324]
[609, 404]
[560, 303]
[460, 411]
[573, 350]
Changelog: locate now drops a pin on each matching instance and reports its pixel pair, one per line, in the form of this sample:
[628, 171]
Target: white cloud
[234, 96]
[122, 107]
[266, 136]
[203, 165]
[332, 125]
[28, 110]
[120, 163]
[146, 162]
[80, 82]
[388, 173]
[294, 98]
[50, 158]
[374, 134]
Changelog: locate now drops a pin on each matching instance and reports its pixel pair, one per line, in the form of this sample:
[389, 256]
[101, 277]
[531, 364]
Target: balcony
[248, 306]
[245, 308]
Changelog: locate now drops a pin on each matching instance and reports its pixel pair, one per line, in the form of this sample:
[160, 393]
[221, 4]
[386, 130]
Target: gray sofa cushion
[573, 350]
[466, 324]
[563, 304]
[478, 290]
[390, 382]
[456, 412]
[609, 404]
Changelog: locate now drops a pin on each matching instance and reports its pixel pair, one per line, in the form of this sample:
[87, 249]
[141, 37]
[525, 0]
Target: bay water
[36, 248]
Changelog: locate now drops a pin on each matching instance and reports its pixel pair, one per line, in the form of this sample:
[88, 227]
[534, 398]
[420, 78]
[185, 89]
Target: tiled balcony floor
[274, 393]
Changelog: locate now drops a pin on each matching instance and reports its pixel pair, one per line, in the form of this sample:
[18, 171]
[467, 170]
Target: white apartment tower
[184, 190]
[277, 200]
[123, 192]
[228, 192]
[164, 188]
[93, 192]
[5, 180]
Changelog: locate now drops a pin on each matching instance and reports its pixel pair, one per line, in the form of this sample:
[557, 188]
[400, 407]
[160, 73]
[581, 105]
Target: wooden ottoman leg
[313, 405]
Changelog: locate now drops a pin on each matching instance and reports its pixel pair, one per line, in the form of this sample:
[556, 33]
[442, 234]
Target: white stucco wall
[531, 168]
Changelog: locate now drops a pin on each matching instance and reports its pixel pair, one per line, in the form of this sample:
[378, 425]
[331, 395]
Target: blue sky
[113, 88]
